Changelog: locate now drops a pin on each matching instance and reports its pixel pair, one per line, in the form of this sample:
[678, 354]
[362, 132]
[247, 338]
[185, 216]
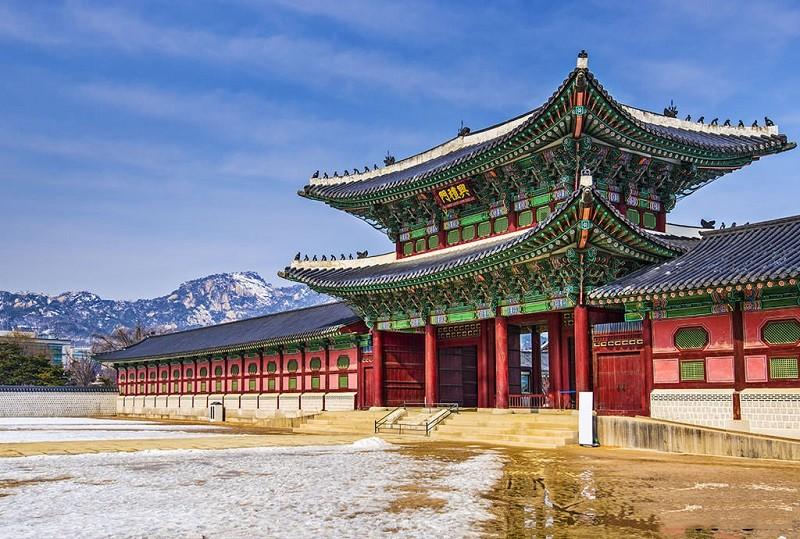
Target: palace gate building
[548, 231]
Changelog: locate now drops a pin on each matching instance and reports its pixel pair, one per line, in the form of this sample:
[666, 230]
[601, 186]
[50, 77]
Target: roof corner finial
[389, 159]
[583, 60]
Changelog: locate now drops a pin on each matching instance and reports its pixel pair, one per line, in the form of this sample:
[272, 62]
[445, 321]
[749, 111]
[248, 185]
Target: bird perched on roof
[314, 259]
[722, 226]
[355, 171]
[707, 224]
[755, 124]
[335, 174]
[297, 256]
[374, 166]
[305, 258]
[733, 224]
[768, 122]
[325, 175]
[341, 256]
[346, 173]
[727, 123]
[715, 121]
[688, 118]
[701, 119]
[362, 254]
[316, 174]
[366, 168]
[324, 258]
[741, 124]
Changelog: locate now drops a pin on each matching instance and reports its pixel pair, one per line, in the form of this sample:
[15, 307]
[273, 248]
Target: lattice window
[500, 225]
[292, 383]
[315, 364]
[315, 382]
[783, 367]
[542, 213]
[468, 233]
[691, 338]
[252, 368]
[649, 220]
[408, 248]
[781, 332]
[693, 371]
[433, 242]
[271, 384]
[343, 362]
[484, 229]
[292, 366]
[454, 236]
[343, 381]
[272, 367]
[419, 246]
[632, 215]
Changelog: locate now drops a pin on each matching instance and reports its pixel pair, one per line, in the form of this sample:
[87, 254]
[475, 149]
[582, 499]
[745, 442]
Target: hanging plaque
[455, 194]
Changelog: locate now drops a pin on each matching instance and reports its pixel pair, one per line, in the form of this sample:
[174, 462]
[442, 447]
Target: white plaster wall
[707, 407]
[340, 402]
[57, 403]
[289, 402]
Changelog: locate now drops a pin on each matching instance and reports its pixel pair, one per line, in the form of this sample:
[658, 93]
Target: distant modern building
[56, 350]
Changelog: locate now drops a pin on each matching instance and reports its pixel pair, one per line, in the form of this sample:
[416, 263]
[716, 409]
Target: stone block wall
[707, 407]
[772, 411]
[27, 401]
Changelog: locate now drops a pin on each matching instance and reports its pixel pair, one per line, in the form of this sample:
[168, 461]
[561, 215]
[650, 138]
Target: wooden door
[620, 384]
[458, 375]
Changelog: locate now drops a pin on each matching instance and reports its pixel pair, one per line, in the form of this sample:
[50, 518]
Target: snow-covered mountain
[201, 302]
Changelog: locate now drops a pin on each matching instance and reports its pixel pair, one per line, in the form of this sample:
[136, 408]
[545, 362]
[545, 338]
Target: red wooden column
[324, 381]
[483, 366]
[554, 357]
[583, 349]
[536, 361]
[377, 367]
[302, 384]
[737, 318]
[431, 366]
[647, 354]
[501, 361]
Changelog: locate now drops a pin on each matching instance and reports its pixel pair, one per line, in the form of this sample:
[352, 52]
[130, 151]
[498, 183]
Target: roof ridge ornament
[583, 60]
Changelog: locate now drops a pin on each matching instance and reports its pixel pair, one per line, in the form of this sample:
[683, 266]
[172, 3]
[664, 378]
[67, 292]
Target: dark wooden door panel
[620, 383]
[458, 375]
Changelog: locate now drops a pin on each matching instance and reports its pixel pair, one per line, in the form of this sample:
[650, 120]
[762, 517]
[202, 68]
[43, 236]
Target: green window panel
[234, 385]
[175, 388]
[163, 388]
[782, 368]
[252, 368]
[315, 382]
[164, 375]
[234, 370]
[418, 233]
[500, 225]
[484, 229]
[189, 373]
[433, 242]
[189, 387]
[272, 367]
[176, 374]
[203, 387]
[408, 248]
[633, 215]
[218, 386]
[693, 371]
[649, 220]
[218, 371]
[525, 218]
[271, 384]
[453, 237]
[781, 332]
[419, 246]
[292, 366]
[344, 381]
[468, 233]
[343, 362]
[691, 338]
[251, 385]
[542, 213]
[315, 364]
[203, 371]
[474, 218]
[292, 383]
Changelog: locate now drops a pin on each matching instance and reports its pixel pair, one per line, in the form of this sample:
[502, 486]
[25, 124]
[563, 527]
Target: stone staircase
[540, 429]
[349, 422]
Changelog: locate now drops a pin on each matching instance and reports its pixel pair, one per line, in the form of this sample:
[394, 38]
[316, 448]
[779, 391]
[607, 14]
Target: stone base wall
[772, 411]
[707, 407]
[246, 408]
[50, 402]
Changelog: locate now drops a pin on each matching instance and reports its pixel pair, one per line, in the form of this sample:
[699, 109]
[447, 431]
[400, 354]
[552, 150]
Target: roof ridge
[751, 226]
[230, 322]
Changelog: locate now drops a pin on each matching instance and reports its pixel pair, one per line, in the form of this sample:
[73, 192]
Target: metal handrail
[444, 414]
[383, 420]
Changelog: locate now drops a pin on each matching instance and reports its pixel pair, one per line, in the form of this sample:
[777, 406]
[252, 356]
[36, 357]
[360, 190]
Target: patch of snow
[45, 429]
[373, 443]
[311, 491]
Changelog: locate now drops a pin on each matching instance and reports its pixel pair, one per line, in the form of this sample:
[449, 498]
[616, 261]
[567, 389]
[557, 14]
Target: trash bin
[216, 412]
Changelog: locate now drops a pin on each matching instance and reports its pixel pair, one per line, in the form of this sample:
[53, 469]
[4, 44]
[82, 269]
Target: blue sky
[143, 144]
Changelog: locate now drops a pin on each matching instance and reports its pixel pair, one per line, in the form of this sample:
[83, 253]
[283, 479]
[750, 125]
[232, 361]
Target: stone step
[548, 441]
[487, 431]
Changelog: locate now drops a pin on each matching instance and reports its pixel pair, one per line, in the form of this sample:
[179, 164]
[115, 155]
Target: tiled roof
[272, 329]
[718, 138]
[388, 270]
[767, 251]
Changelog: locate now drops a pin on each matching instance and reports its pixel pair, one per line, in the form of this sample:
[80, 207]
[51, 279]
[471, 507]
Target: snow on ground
[366, 489]
[55, 429]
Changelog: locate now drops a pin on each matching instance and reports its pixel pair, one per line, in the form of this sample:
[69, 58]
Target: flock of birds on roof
[388, 160]
[672, 112]
[359, 254]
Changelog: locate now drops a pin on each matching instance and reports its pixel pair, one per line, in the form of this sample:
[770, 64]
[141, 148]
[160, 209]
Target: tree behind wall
[17, 368]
